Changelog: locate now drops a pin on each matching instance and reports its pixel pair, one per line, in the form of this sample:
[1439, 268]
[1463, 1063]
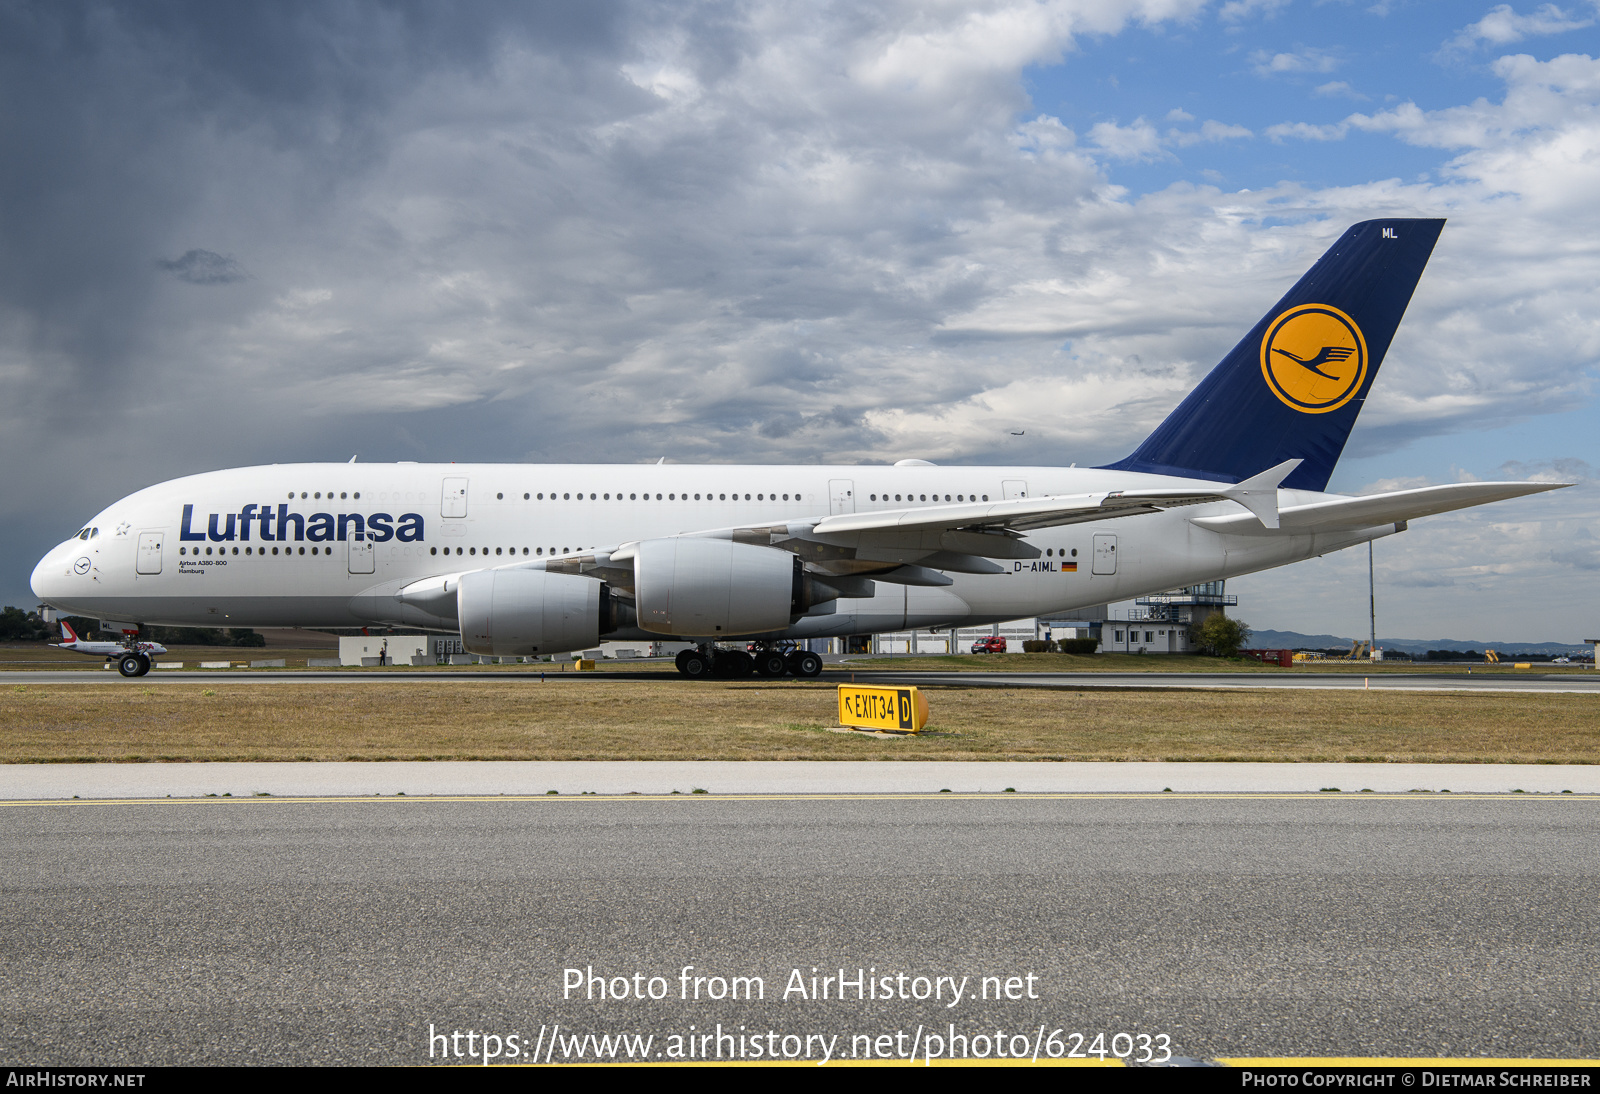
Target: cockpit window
[93, 532]
[82, 535]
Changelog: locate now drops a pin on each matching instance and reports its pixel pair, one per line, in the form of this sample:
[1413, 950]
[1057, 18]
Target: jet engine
[708, 588]
[507, 613]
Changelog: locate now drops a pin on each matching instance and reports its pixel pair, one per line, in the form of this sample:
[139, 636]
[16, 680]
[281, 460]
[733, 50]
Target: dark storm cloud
[203, 268]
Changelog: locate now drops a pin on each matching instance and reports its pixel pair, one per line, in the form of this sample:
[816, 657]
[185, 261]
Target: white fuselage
[341, 537]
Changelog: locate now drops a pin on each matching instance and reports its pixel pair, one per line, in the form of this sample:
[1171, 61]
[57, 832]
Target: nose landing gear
[133, 664]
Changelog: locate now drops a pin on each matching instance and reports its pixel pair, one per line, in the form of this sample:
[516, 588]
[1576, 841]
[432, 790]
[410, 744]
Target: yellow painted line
[368, 799]
[1397, 1061]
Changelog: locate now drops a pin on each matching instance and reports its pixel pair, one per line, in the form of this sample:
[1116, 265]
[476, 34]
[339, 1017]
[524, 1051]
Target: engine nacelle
[706, 588]
[516, 613]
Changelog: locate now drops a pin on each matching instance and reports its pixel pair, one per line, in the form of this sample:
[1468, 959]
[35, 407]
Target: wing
[1395, 506]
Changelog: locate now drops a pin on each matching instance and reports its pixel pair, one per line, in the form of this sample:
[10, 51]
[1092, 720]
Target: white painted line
[523, 777]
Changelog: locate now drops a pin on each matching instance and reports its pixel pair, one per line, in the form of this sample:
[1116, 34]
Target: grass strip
[680, 720]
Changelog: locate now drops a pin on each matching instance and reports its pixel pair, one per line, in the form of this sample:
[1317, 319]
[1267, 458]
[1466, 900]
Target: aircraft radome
[525, 559]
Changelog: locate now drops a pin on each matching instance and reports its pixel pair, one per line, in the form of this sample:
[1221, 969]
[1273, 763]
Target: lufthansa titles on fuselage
[282, 526]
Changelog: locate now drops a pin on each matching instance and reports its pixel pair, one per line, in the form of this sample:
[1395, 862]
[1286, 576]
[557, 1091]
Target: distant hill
[1295, 640]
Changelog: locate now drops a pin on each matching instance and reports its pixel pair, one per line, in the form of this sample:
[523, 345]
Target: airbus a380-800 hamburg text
[543, 559]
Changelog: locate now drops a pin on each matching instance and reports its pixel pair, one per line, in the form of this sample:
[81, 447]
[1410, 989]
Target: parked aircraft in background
[543, 559]
[132, 656]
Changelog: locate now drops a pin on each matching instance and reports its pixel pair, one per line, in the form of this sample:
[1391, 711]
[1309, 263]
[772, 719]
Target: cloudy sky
[753, 232]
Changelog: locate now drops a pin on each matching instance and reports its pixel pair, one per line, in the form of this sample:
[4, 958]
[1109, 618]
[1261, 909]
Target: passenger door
[150, 553]
[841, 496]
[453, 499]
[1105, 554]
[360, 552]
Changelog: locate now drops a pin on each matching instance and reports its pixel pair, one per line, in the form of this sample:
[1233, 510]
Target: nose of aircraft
[47, 579]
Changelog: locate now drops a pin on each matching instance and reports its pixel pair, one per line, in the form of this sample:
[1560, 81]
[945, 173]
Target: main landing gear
[704, 662]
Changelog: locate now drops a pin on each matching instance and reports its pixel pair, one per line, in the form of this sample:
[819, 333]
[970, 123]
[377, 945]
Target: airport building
[1158, 624]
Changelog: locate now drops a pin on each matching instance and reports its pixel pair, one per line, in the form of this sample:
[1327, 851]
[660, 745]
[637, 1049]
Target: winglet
[1259, 493]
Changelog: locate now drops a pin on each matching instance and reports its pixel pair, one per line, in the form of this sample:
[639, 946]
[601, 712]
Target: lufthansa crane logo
[1314, 358]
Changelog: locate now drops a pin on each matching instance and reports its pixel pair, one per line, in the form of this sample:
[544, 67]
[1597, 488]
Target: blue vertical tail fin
[1293, 387]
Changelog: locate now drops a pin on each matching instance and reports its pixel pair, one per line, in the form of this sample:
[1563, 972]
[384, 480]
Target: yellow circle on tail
[1314, 358]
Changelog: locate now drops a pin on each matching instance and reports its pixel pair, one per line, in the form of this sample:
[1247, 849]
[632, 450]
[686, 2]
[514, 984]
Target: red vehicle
[992, 644]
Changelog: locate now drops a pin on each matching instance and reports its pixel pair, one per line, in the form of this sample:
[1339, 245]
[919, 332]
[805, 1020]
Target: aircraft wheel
[681, 655]
[131, 664]
[805, 663]
[771, 663]
[732, 663]
[695, 665]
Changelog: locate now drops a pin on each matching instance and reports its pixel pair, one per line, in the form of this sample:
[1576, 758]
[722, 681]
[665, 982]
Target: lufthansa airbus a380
[542, 559]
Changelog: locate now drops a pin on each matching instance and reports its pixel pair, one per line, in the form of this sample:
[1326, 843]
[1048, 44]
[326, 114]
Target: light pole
[1372, 609]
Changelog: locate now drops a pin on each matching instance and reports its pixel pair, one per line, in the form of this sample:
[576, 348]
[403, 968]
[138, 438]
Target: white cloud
[1235, 11]
[1210, 131]
[1337, 88]
[1137, 143]
[1503, 26]
[1265, 63]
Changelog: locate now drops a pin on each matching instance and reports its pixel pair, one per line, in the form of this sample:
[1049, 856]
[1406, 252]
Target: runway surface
[261, 931]
[1497, 681]
[525, 777]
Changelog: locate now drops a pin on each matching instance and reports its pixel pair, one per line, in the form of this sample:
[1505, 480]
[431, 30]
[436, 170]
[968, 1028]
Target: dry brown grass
[680, 720]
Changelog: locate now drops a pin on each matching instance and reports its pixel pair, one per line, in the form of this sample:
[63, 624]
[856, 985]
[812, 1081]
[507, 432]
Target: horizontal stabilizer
[1389, 508]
